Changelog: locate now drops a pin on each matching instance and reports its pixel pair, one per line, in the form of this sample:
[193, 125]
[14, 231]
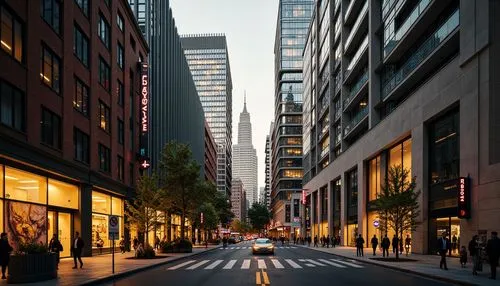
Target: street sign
[296, 222]
[114, 227]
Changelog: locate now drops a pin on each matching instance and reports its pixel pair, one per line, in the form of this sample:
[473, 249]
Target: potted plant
[32, 262]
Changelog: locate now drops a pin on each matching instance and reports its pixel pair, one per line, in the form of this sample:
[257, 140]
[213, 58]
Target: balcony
[337, 139]
[354, 6]
[337, 114]
[361, 55]
[356, 89]
[358, 29]
[443, 43]
[355, 122]
[416, 25]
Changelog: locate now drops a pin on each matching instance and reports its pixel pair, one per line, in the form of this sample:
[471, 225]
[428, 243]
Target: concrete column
[343, 209]
[320, 210]
[420, 170]
[362, 200]
[330, 208]
[374, 59]
[83, 219]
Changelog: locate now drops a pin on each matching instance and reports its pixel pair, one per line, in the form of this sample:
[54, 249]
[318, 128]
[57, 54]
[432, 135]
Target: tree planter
[32, 268]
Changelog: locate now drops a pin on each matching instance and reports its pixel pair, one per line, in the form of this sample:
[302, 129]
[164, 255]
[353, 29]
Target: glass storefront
[104, 205]
[450, 226]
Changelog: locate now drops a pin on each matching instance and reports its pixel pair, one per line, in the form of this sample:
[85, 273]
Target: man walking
[385, 245]
[315, 241]
[374, 244]
[328, 241]
[395, 243]
[76, 248]
[443, 248]
[407, 244]
[360, 242]
[493, 251]
[5, 250]
[55, 247]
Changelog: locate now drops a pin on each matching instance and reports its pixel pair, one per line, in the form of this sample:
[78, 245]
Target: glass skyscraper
[287, 172]
[208, 61]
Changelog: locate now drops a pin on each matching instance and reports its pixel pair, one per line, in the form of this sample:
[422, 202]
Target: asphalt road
[290, 265]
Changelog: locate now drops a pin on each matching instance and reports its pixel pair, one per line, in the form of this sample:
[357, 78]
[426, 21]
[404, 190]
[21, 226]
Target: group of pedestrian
[385, 244]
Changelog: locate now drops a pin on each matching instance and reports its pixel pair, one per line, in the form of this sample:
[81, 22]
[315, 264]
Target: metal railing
[356, 24]
[357, 55]
[356, 88]
[355, 120]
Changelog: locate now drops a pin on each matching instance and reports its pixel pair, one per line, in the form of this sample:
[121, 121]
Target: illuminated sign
[144, 117]
[464, 198]
[144, 164]
[376, 223]
[304, 199]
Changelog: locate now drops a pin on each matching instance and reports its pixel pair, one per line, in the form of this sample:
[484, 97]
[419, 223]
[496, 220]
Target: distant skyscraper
[293, 22]
[245, 157]
[238, 200]
[208, 61]
[268, 173]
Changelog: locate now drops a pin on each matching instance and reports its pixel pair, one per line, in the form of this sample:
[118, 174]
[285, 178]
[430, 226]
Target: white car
[263, 245]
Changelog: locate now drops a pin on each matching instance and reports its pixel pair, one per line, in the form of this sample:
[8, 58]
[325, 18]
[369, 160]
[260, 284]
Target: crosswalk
[249, 247]
[264, 263]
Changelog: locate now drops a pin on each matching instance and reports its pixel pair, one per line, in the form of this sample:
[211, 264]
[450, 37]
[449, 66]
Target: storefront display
[104, 205]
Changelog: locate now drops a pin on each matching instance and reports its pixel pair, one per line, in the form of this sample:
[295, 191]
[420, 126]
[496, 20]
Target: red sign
[304, 199]
[464, 198]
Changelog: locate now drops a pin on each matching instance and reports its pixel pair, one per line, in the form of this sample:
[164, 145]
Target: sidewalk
[426, 265]
[97, 269]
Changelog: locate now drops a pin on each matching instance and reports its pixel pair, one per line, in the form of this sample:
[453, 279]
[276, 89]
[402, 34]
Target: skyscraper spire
[245, 102]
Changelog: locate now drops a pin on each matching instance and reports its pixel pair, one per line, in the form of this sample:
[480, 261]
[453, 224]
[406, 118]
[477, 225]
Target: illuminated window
[63, 194]
[81, 97]
[50, 69]
[25, 186]
[11, 32]
[374, 178]
[101, 203]
[104, 117]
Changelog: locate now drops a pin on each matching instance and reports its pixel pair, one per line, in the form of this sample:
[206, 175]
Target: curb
[140, 269]
[426, 275]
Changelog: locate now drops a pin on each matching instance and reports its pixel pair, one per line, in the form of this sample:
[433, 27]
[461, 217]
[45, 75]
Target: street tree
[142, 210]
[259, 216]
[210, 218]
[181, 182]
[222, 204]
[397, 203]
[240, 226]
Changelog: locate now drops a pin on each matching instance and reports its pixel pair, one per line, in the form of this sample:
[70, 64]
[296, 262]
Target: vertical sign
[304, 197]
[144, 117]
[464, 197]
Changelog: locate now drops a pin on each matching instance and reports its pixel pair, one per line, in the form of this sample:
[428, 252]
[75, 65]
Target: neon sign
[144, 117]
[304, 199]
[464, 198]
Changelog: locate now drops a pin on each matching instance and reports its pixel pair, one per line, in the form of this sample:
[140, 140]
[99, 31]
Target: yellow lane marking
[266, 278]
[257, 278]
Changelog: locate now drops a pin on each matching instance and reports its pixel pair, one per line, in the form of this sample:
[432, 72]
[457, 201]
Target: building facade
[293, 20]
[208, 61]
[210, 156]
[268, 165]
[403, 84]
[238, 200]
[176, 113]
[70, 121]
[245, 158]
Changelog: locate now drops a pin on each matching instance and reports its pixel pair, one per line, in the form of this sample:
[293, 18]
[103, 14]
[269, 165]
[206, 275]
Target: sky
[250, 28]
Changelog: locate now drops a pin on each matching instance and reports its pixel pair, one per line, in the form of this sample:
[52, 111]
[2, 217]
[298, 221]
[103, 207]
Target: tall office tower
[245, 158]
[238, 200]
[176, 113]
[292, 24]
[268, 164]
[208, 61]
[408, 84]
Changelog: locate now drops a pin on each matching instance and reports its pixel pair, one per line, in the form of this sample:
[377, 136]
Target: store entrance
[450, 225]
[60, 223]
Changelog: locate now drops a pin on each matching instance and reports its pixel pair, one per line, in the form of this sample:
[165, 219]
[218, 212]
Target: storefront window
[63, 195]
[101, 203]
[374, 178]
[116, 206]
[444, 151]
[352, 233]
[100, 231]
[1, 216]
[400, 155]
[1, 181]
[24, 186]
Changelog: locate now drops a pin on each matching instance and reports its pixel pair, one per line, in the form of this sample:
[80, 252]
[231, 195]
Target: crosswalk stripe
[332, 263]
[246, 264]
[213, 265]
[230, 264]
[315, 262]
[347, 263]
[277, 264]
[292, 263]
[293, 247]
[261, 264]
[181, 265]
[194, 266]
[287, 247]
[238, 247]
[310, 265]
[232, 247]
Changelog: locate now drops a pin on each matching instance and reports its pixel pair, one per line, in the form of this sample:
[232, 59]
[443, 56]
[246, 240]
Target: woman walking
[5, 250]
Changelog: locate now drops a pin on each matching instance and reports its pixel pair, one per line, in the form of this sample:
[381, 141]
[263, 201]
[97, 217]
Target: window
[81, 97]
[51, 13]
[104, 158]
[444, 148]
[81, 46]
[120, 56]
[25, 186]
[103, 31]
[121, 131]
[400, 156]
[121, 93]
[12, 107]
[81, 144]
[373, 178]
[62, 194]
[107, 2]
[119, 22]
[104, 117]
[51, 128]
[84, 6]
[120, 167]
[132, 42]
[11, 35]
[104, 74]
[50, 69]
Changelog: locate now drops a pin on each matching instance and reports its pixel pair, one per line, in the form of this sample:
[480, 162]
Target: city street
[291, 265]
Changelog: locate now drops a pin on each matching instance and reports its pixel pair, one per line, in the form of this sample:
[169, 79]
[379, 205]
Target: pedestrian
[463, 256]
[5, 250]
[135, 243]
[333, 241]
[443, 248]
[400, 246]
[309, 241]
[474, 253]
[193, 240]
[224, 242]
[360, 242]
[327, 241]
[315, 241]
[407, 244]
[374, 244]
[122, 245]
[77, 248]
[493, 251]
[386, 243]
[55, 247]
[454, 243]
[157, 242]
[394, 244]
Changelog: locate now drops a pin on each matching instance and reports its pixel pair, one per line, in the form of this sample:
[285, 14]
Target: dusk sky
[250, 28]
